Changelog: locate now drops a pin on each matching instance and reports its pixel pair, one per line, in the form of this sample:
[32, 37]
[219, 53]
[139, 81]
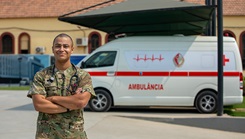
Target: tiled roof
[55, 8]
[43, 8]
[230, 7]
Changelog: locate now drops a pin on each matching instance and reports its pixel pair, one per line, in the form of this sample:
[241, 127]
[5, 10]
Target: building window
[242, 44]
[24, 43]
[94, 41]
[242, 47]
[7, 41]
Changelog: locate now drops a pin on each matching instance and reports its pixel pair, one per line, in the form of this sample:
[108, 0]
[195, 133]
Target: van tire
[206, 102]
[102, 102]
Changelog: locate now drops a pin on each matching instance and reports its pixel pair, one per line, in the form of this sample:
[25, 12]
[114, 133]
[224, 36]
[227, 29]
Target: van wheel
[102, 102]
[206, 102]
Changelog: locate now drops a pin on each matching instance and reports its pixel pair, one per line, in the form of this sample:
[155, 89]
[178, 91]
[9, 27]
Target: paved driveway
[18, 120]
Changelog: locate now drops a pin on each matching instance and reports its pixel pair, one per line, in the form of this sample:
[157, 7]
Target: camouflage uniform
[68, 125]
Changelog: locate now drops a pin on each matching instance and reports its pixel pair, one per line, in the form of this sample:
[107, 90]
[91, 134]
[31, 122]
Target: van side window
[101, 59]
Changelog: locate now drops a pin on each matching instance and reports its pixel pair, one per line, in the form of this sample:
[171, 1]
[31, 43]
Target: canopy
[147, 17]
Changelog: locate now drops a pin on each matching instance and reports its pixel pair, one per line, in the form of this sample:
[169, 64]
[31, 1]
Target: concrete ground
[18, 120]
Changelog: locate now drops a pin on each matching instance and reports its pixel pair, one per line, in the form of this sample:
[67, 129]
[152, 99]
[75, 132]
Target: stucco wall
[236, 24]
[42, 32]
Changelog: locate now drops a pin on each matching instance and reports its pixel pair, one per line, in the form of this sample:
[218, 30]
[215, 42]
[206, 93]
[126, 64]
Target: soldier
[59, 94]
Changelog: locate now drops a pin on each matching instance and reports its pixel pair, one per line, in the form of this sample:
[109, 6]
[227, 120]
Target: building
[233, 21]
[28, 27]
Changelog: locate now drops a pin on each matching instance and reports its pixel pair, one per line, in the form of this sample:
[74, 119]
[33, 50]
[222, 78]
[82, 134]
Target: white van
[164, 71]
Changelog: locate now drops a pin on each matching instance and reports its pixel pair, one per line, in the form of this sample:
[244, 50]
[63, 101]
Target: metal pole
[214, 20]
[220, 58]
[208, 33]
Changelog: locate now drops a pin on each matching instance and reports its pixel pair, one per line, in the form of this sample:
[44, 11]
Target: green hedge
[236, 110]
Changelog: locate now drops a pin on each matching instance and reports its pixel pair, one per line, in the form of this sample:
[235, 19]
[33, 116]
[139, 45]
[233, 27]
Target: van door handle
[111, 73]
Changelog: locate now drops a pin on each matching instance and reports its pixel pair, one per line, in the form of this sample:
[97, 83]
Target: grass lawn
[14, 87]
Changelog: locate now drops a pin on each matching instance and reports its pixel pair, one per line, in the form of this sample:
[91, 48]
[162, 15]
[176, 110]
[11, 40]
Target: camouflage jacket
[68, 125]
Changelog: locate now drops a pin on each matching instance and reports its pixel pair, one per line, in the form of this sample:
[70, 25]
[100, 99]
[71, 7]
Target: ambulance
[164, 71]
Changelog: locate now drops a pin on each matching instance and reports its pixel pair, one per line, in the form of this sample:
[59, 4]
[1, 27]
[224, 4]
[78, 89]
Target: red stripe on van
[155, 74]
[203, 74]
[126, 73]
[178, 73]
[99, 73]
[231, 73]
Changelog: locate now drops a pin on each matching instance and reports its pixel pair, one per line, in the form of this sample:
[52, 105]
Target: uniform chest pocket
[51, 90]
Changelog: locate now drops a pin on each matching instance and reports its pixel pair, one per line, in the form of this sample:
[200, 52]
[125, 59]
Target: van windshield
[100, 59]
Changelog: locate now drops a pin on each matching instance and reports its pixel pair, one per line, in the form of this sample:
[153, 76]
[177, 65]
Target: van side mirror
[83, 65]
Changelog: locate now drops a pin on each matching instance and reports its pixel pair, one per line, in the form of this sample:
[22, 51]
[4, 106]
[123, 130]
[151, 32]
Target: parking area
[18, 120]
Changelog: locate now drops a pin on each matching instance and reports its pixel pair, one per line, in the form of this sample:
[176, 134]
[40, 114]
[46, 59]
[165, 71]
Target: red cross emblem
[225, 60]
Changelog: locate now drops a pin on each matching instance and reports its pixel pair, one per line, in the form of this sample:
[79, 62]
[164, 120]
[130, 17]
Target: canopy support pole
[214, 19]
[211, 31]
[220, 58]
[209, 28]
